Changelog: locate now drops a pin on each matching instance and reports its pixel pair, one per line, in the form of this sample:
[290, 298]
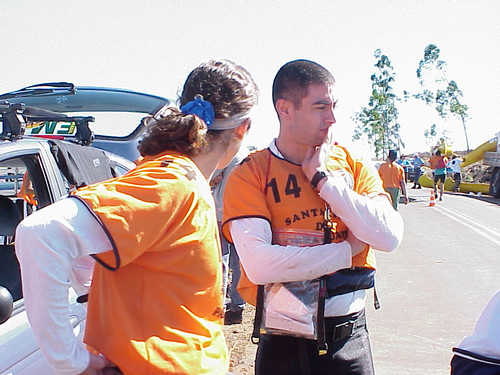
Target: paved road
[434, 286]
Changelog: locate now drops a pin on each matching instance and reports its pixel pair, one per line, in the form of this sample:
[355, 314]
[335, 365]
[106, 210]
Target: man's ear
[284, 108]
[242, 129]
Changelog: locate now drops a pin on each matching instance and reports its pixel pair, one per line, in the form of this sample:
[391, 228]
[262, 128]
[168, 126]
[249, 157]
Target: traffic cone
[432, 201]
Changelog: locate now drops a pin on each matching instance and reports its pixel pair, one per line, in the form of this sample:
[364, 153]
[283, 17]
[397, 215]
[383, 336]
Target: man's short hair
[294, 78]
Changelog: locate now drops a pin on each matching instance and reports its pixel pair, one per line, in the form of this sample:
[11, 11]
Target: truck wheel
[495, 183]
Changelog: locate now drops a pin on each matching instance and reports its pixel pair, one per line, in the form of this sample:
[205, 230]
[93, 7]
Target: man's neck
[292, 152]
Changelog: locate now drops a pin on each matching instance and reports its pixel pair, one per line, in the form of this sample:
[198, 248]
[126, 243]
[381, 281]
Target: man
[291, 186]
[454, 165]
[393, 179]
[417, 165]
[479, 353]
[438, 166]
[234, 303]
[27, 192]
[406, 164]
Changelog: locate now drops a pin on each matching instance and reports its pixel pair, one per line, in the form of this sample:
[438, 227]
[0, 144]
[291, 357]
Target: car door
[20, 354]
[27, 163]
[30, 179]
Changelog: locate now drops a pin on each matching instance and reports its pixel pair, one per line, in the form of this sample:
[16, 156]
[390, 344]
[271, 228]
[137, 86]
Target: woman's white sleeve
[52, 246]
[372, 219]
[266, 263]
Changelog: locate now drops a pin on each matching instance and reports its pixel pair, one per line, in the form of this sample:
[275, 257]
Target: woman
[155, 303]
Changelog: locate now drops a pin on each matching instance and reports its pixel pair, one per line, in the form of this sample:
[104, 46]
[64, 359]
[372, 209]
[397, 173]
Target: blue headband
[201, 108]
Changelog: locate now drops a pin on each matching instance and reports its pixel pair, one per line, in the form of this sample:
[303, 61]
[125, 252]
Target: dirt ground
[241, 349]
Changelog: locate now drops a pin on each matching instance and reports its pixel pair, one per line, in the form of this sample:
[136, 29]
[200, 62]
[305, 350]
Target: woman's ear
[242, 129]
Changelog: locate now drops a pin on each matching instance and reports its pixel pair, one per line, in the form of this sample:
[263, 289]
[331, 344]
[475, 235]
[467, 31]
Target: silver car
[52, 140]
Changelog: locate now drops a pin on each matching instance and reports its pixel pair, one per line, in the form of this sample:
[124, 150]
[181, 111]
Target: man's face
[311, 122]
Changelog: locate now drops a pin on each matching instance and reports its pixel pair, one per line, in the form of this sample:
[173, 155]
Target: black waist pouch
[349, 280]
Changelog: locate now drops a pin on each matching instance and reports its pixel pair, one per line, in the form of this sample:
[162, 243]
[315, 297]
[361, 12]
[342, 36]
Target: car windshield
[105, 125]
[117, 112]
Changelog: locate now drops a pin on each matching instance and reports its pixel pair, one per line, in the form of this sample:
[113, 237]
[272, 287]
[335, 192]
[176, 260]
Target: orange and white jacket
[160, 311]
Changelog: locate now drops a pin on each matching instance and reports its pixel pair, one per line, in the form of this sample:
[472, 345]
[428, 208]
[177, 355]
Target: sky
[151, 46]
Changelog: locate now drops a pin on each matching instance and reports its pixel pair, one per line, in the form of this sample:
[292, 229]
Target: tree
[437, 90]
[379, 120]
[432, 136]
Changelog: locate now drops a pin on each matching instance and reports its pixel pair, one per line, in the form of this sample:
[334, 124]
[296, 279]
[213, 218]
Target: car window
[108, 124]
[115, 124]
[119, 169]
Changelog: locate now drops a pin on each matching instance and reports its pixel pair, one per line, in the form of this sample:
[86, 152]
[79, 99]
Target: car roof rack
[12, 123]
[49, 88]
[14, 117]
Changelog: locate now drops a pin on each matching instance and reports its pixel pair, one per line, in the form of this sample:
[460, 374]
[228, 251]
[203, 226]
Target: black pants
[286, 355]
[464, 366]
[458, 178]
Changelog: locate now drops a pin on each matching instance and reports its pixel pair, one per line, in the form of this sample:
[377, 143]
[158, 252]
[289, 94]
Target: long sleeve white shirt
[52, 246]
[485, 340]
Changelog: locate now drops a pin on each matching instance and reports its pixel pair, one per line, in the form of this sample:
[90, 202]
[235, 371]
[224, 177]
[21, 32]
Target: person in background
[417, 165]
[454, 165]
[304, 184]
[230, 261]
[27, 192]
[406, 164]
[393, 179]
[479, 353]
[438, 166]
[155, 304]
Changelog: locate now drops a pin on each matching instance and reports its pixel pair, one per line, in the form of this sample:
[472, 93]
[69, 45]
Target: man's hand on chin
[314, 160]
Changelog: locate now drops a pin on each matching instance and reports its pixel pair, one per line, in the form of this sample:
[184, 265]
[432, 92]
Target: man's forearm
[403, 188]
[267, 263]
[371, 219]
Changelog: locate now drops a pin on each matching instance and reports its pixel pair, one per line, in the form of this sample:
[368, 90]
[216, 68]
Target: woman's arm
[48, 243]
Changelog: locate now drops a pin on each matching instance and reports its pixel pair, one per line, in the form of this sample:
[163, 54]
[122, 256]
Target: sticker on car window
[61, 128]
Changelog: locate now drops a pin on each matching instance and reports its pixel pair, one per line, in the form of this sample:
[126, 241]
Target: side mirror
[6, 304]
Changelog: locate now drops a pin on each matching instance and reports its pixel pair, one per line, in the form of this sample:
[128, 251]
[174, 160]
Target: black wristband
[318, 176]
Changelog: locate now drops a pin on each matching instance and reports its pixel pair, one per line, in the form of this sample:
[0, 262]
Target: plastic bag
[291, 308]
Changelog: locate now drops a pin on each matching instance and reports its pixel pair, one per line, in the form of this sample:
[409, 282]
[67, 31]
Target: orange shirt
[26, 192]
[161, 311]
[268, 187]
[391, 174]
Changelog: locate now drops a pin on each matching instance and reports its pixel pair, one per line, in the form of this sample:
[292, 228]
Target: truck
[489, 153]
